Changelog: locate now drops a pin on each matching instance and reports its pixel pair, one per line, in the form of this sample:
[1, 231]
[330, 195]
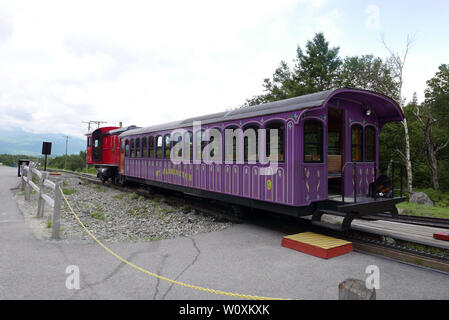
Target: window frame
[132, 150]
[161, 156]
[373, 146]
[234, 143]
[144, 151]
[355, 145]
[138, 148]
[281, 138]
[189, 134]
[164, 141]
[320, 143]
[127, 148]
[151, 147]
[245, 142]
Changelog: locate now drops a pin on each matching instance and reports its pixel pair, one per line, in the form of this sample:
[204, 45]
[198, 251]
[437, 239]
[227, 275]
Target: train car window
[151, 147]
[89, 141]
[234, 145]
[127, 148]
[132, 155]
[138, 148]
[313, 141]
[370, 144]
[144, 147]
[200, 144]
[356, 143]
[159, 147]
[279, 126]
[333, 143]
[167, 146]
[250, 135]
[189, 136]
[177, 139]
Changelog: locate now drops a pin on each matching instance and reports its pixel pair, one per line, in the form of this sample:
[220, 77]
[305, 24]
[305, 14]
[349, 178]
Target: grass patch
[414, 209]
[120, 196]
[67, 191]
[433, 250]
[152, 238]
[138, 212]
[49, 224]
[99, 188]
[98, 215]
[133, 196]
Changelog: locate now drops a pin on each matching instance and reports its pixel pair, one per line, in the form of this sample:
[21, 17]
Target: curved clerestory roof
[386, 109]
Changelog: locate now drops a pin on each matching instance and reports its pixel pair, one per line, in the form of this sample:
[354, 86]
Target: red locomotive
[103, 150]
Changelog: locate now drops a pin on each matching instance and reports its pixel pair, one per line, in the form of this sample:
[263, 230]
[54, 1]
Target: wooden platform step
[317, 245]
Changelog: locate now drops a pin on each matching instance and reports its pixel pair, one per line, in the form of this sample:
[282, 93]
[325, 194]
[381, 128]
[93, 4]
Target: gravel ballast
[113, 215]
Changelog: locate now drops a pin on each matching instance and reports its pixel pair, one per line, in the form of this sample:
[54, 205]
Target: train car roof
[386, 109]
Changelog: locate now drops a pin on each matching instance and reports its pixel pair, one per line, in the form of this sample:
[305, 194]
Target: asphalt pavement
[244, 258]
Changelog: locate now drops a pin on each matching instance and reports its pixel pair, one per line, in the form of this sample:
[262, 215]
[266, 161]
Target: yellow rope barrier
[237, 295]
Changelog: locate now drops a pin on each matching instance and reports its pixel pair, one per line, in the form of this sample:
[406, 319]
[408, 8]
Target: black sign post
[46, 150]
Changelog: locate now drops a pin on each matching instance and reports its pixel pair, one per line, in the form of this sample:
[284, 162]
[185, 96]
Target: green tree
[367, 72]
[315, 70]
[432, 117]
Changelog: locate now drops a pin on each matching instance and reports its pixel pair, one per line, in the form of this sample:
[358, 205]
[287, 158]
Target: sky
[150, 62]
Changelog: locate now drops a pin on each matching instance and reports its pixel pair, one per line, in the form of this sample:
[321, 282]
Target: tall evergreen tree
[315, 70]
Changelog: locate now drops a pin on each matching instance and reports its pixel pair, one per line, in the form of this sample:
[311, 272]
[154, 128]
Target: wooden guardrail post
[41, 202]
[27, 185]
[57, 210]
[353, 289]
[22, 185]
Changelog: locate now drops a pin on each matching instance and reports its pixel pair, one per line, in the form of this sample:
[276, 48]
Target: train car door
[335, 150]
[314, 161]
[97, 152]
[122, 155]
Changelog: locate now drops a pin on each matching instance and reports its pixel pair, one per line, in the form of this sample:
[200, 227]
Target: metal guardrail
[27, 173]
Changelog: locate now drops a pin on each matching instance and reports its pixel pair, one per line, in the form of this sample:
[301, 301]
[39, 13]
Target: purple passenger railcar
[328, 146]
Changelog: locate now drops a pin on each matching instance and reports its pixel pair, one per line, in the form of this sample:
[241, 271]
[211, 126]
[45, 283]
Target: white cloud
[142, 62]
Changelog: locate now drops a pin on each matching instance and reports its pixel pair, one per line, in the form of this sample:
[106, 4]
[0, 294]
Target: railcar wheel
[151, 190]
[239, 212]
[119, 181]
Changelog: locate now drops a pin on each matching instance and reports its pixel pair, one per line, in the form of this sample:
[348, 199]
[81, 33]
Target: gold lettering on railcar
[174, 172]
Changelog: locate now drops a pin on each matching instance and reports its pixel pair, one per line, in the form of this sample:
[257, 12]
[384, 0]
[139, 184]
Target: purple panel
[211, 177]
[255, 178]
[236, 181]
[270, 186]
[246, 181]
[290, 150]
[204, 174]
[218, 178]
[197, 176]
[280, 185]
[364, 176]
[315, 182]
[227, 179]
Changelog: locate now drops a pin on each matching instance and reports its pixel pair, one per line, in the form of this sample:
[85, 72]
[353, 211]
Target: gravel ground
[112, 215]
